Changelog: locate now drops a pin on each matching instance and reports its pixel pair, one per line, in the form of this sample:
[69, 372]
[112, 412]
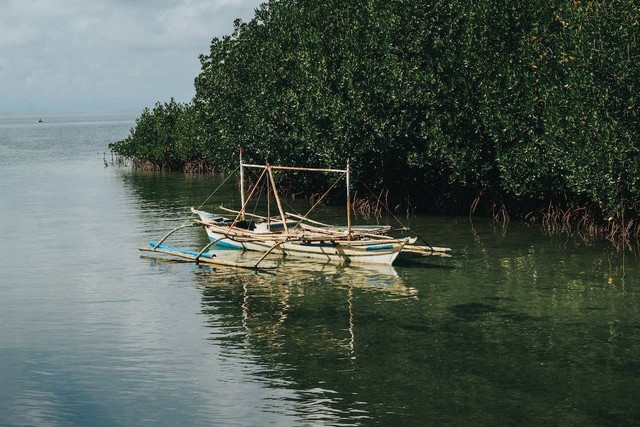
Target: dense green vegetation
[450, 105]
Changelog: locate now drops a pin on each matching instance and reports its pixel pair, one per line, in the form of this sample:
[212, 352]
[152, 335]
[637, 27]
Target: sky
[107, 55]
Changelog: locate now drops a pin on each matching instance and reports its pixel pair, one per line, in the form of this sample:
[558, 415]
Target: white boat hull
[369, 252]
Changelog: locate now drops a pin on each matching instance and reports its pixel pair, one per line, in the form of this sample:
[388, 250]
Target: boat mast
[274, 188]
[277, 197]
[268, 204]
[348, 202]
[241, 185]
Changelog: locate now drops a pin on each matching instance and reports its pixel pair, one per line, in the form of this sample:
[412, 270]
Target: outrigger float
[203, 257]
[292, 235]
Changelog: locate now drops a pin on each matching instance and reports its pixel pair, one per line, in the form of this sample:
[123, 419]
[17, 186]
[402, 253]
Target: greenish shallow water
[518, 327]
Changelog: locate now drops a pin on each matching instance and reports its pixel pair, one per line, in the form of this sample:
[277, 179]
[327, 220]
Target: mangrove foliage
[449, 105]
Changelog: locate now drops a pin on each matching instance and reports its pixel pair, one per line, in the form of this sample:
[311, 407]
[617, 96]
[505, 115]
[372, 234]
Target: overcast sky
[91, 55]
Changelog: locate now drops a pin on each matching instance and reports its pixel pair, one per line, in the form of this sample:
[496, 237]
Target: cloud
[21, 35]
[75, 54]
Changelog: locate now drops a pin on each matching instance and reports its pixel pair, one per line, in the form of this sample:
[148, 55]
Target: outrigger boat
[293, 235]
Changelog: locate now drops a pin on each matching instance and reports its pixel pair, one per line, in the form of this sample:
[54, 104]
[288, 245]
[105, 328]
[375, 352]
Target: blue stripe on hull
[379, 247]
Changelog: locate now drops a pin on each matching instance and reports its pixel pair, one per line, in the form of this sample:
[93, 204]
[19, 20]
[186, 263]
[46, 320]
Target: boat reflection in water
[303, 328]
[301, 325]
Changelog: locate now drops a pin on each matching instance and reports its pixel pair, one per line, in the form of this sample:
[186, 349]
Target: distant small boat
[39, 121]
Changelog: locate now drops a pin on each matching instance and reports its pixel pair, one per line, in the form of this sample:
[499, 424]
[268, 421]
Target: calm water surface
[518, 327]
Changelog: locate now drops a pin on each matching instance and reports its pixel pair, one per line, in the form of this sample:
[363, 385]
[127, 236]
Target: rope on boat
[216, 190]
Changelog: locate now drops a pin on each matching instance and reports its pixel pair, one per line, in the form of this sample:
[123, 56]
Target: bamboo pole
[294, 168]
[170, 233]
[247, 214]
[277, 197]
[269, 251]
[241, 184]
[425, 249]
[212, 261]
[348, 202]
[268, 207]
[304, 218]
[244, 205]
[359, 229]
[205, 249]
